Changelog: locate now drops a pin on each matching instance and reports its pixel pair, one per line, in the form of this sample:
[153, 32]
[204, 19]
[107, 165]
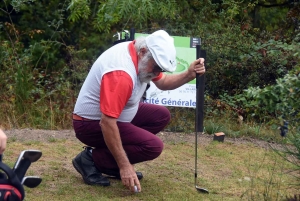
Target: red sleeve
[116, 89]
[158, 77]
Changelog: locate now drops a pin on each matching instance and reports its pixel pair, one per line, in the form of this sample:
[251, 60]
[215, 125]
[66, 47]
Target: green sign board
[184, 96]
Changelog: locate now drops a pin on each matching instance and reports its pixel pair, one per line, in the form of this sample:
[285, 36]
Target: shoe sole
[77, 168]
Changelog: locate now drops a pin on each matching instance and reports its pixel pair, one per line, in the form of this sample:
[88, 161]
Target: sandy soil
[45, 135]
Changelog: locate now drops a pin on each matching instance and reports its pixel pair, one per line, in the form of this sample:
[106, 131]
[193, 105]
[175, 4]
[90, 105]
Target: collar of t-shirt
[133, 55]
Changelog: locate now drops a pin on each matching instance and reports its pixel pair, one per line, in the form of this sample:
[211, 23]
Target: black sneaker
[85, 166]
[115, 174]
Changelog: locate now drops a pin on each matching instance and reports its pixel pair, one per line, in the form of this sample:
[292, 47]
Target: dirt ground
[203, 139]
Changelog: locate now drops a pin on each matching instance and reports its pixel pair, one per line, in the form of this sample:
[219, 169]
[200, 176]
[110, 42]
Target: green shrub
[281, 99]
[40, 76]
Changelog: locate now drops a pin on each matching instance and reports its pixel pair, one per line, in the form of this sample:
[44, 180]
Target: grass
[229, 171]
[237, 129]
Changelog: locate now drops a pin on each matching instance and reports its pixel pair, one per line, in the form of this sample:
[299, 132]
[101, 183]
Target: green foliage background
[47, 48]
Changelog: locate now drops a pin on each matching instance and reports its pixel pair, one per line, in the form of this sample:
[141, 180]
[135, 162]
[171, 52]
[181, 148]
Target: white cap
[161, 46]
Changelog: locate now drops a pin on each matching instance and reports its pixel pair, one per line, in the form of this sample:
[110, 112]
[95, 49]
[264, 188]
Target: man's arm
[3, 140]
[116, 89]
[113, 141]
[170, 82]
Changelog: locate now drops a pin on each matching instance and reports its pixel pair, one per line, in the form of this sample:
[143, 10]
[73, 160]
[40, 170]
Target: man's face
[148, 69]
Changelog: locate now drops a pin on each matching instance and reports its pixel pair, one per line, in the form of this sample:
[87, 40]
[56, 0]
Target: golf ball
[136, 189]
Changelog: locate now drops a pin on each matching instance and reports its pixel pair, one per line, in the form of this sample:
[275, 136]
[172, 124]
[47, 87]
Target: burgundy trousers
[138, 137]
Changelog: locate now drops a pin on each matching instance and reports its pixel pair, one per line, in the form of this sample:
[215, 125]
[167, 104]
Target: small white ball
[136, 189]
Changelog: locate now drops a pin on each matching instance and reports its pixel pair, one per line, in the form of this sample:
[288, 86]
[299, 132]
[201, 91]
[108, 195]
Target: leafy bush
[250, 64]
[114, 13]
[240, 55]
[282, 101]
[36, 81]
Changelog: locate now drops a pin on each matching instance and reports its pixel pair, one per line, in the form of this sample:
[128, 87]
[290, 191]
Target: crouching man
[109, 118]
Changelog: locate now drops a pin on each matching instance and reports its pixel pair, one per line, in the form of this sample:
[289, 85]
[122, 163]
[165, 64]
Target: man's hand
[197, 67]
[129, 178]
[3, 140]
[170, 82]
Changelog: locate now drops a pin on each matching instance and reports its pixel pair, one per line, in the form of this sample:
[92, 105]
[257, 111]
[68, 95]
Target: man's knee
[154, 148]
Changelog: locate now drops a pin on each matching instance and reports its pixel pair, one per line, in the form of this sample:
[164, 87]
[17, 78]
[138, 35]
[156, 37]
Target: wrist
[191, 75]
